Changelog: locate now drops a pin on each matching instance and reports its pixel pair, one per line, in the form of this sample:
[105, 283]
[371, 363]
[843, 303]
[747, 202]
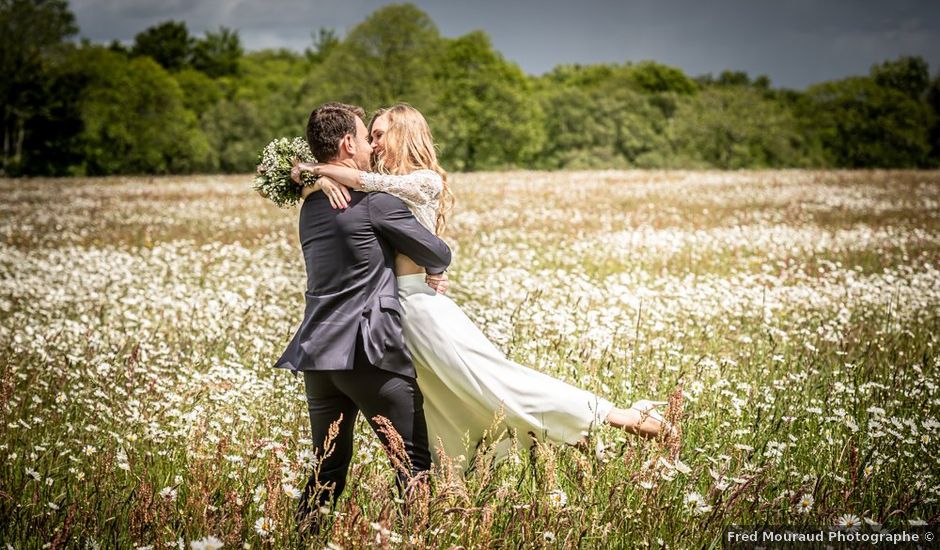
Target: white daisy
[558, 498]
[168, 494]
[805, 504]
[264, 526]
[849, 522]
[208, 543]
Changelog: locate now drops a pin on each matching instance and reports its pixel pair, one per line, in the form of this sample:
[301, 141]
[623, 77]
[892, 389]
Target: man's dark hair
[327, 125]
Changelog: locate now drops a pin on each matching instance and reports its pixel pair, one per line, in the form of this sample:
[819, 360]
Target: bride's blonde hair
[410, 147]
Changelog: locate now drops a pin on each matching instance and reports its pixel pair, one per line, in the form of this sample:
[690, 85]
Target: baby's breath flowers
[273, 179]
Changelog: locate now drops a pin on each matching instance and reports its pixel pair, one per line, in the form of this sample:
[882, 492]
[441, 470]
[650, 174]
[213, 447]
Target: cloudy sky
[795, 42]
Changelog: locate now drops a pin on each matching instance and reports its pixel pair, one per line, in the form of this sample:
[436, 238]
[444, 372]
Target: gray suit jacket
[351, 285]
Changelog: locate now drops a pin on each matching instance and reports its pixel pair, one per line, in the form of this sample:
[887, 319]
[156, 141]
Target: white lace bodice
[419, 190]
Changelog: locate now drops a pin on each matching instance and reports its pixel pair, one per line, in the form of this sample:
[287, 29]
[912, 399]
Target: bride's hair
[410, 147]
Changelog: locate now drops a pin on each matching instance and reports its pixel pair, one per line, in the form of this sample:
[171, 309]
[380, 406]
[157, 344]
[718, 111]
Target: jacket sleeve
[395, 223]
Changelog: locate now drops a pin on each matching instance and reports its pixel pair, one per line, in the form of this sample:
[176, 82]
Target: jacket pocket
[381, 328]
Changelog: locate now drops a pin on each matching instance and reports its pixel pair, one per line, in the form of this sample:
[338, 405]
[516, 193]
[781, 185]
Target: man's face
[363, 154]
[379, 127]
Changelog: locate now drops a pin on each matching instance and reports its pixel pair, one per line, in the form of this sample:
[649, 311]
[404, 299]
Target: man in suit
[350, 346]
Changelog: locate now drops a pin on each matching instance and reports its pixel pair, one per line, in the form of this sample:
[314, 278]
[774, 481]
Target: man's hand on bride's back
[438, 282]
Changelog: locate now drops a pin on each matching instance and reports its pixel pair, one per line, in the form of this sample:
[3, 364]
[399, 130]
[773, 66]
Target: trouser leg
[398, 399]
[326, 405]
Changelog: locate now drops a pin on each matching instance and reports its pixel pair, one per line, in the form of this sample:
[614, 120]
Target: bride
[465, 379]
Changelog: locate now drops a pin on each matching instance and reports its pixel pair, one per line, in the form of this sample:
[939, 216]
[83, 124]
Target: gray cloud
[796, 43]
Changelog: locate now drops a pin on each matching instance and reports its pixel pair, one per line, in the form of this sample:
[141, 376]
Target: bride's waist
[411, 283]
[405, 266]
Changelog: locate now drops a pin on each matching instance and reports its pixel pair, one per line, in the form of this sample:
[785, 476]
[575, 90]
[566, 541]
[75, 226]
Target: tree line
[176, 103]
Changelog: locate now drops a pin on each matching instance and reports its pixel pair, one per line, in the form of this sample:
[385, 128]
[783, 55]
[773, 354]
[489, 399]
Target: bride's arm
[419, 187]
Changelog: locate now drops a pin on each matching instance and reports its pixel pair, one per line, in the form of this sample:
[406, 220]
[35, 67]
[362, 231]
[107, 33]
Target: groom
[350, 346]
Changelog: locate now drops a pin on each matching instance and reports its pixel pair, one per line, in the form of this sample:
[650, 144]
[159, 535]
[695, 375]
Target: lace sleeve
[419, 188]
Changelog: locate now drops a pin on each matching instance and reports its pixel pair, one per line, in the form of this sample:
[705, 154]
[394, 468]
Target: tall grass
[798, 312]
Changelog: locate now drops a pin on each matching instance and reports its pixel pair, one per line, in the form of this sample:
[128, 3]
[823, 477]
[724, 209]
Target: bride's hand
[338, 194]
[438, 282]
[298, 168]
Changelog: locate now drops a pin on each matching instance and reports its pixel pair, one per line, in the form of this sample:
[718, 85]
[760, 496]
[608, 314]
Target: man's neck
[347, 163]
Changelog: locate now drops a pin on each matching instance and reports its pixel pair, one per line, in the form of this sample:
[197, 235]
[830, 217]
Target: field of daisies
[792, 317]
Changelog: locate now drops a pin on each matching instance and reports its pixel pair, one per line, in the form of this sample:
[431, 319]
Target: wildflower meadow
[791, 317]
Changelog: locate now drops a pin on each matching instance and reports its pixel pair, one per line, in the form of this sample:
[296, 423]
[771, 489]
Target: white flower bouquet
[273, 179]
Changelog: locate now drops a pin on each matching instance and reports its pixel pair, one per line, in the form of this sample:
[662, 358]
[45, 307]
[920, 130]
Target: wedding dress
[466, 381]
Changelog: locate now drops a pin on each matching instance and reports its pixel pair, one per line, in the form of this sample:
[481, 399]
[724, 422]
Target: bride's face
[379, 127]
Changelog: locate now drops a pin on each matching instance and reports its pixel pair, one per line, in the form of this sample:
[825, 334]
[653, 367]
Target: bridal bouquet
[273, 179]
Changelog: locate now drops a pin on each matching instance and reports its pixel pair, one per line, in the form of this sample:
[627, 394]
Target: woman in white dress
[466, 381]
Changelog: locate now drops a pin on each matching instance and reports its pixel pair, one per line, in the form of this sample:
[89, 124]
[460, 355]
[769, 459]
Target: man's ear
[348, 145]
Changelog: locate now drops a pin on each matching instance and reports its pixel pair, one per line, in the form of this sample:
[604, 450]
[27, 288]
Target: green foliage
[324, 42]
[261, 103]
[134, 120]
[933, 100]
[77, 108]
[598, 129]
[218, 53]
[652, 77]
[485, 118]
[32, 38]
[739, 128]
[168, 43]
[388, 58]
[908, 75]
[864, 125]
[611, 116]
[200, 92]
[51, 143]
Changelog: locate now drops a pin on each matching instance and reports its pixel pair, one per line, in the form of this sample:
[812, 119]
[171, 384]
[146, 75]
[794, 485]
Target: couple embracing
[379, 336]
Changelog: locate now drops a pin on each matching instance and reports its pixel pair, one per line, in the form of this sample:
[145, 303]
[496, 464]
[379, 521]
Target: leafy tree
[485, 118]
[933, 100]
[33, 32]
[168, 43]
[603, 129]
[134, 120]
[388, 58]
[586, 77]
[864, 124]
[237, 130]
[908, 75]
[218, 53]
[652, 77]
[116, 47]
[611, 115]
[581, 133]
[733, 78]
[199, 91]
[324, 42]
[262, 103]
[51, 143]
[736, 127]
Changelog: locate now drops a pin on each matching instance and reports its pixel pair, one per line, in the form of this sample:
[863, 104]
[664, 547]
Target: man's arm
[394, 222]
